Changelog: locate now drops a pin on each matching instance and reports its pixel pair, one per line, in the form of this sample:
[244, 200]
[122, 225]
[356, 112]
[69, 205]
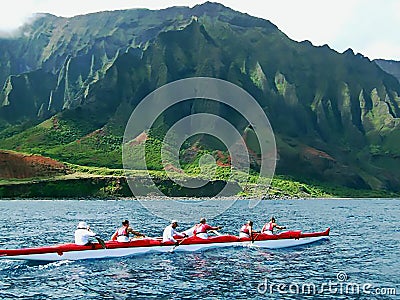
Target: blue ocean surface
[360, 261]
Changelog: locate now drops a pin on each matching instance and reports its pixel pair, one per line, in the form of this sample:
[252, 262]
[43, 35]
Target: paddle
[281, 228]
[101, 242]
[178, 244]
[251, 234]
[216, 232]
[254, 238]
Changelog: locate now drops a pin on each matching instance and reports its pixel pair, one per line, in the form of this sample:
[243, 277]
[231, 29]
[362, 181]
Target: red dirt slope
[17, 165]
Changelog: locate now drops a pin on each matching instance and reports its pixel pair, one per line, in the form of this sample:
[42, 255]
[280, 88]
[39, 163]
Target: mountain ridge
[321, 104]
[390, 66]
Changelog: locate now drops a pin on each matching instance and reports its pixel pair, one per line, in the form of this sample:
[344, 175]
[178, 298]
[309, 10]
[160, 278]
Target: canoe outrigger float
[146, 245]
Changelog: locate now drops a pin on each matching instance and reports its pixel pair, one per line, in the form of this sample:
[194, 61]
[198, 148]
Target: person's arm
[114, 236]
[137, 233]
[180, 234]
[170, 235]
[208, 227]
[173, 233]
[279, 227]
[251, 231]
[264, 228]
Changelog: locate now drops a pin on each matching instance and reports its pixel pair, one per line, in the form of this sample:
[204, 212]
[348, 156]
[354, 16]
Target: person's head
[125, 223]
[174, 223]
[82, 225]
[273, 219]
[203, 220]
[250, 222]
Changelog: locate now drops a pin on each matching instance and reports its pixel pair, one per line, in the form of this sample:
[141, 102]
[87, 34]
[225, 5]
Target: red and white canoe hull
[142, 246]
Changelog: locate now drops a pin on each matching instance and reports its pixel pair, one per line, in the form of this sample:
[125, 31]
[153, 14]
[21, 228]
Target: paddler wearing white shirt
[170, 232]
[83, 233]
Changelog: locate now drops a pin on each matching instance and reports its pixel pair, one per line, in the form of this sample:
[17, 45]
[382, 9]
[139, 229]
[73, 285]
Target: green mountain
[70, 86]
[390, 66]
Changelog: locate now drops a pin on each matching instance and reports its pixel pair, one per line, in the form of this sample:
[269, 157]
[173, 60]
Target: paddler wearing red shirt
[247, 230]
[202, 228]
[122, 233]
[268, 228]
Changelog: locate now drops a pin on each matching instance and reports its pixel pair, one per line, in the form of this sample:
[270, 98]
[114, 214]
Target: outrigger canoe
[145, 245]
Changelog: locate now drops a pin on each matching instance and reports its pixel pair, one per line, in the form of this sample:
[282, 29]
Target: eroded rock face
[88, 73]
[389, 66]
[15, 165]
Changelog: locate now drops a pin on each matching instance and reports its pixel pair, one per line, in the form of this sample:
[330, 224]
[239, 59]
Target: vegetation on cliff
[70, 85]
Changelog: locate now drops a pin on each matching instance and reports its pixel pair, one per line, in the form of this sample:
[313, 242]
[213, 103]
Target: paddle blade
[216, 232]
[101, 242]
[172, 250]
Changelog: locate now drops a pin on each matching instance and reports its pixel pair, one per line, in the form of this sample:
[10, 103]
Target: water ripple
[364, 244]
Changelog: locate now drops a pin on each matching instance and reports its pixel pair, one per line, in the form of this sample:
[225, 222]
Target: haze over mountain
[390, 66]
[70, 85]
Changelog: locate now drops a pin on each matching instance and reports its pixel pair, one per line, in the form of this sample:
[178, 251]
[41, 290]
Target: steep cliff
[335, 115]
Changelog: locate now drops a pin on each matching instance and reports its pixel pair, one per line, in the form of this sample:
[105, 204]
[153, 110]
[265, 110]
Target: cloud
[15, 15]
[383, 49]
[368, 27]
[16, 12]
[371, 30]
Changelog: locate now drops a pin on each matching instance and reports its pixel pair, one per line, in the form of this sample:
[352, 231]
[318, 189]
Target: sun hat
[82, 225]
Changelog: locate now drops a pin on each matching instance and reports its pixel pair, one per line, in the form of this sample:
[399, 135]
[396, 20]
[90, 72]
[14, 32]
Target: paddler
[246, 230]
[202, 228]
[122, 233]
[83, 234]
[170, 233]
[268, 228]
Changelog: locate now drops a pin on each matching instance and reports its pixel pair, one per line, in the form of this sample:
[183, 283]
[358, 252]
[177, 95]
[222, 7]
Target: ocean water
[360, 261]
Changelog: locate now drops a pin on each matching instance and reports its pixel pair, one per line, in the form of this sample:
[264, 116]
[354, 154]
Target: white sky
[367, 26]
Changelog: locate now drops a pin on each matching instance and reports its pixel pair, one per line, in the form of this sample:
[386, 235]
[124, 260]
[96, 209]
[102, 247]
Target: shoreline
[198, 199]
[85, 186]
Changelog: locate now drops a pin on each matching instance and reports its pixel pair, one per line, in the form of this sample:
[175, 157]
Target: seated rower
[247, 230]
[202, 228]
[268, 228]
[122, 233]
[82, 234]
[170, 232]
